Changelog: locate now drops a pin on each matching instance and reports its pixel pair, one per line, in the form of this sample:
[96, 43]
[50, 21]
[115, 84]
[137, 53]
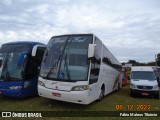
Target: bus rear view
[70, 70]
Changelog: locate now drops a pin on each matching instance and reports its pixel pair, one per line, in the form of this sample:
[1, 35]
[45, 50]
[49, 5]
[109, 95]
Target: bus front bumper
[11, 93]
[80, 97]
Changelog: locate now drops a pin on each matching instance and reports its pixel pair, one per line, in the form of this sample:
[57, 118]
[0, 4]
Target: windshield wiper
[67, 71]
[56, 63]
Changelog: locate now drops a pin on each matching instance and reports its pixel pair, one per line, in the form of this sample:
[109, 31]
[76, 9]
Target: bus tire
[101, 95]
[156, 96]
[118, 87]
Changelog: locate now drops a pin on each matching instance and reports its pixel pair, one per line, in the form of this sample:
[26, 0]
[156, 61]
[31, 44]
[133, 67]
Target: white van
[143, 82]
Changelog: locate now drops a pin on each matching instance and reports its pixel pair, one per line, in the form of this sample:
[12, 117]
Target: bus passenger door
[37, 53]
[32, 70]
[93, 81]
[93, 90]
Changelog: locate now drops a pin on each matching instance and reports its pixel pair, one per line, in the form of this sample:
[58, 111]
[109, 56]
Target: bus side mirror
[91, 48]
[38, 49]
[21, 58]
[157, 78]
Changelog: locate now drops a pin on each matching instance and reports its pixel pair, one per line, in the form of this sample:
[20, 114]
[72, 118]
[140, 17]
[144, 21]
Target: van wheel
[131, 94]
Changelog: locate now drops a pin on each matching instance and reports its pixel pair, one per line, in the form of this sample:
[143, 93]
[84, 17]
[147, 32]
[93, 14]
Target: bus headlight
[156, 87]
[80, 88]
[41, 83]
[132, 86]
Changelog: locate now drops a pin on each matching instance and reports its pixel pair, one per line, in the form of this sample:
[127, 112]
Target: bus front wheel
[101, 95]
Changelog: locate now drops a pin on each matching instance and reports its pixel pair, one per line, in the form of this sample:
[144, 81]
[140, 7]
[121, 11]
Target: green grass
[107, 104]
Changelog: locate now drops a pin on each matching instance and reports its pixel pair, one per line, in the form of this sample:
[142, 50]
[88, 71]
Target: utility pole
[156, 60]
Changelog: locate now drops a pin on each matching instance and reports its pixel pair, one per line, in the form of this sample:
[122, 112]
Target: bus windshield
[9, 54]
[66, 58]
[143, 75]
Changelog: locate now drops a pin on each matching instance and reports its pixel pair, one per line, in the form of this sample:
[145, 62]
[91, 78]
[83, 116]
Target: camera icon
[6, 114]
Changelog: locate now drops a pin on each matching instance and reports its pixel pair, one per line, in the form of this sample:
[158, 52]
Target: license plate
[145, 94]
[56, 94]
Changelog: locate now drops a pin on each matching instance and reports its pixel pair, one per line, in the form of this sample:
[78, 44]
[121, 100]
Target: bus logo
[61, 75]
[6, 114]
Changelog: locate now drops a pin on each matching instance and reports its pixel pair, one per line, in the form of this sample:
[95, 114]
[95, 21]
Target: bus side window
[94, 74]
[95, 68]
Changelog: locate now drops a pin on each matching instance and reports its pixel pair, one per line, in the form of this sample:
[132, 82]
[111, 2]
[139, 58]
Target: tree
[136, 63]
[133, 62]
[158, 59]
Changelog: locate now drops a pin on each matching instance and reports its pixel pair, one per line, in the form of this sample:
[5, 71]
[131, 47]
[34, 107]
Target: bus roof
[72, 34]
[23, 42]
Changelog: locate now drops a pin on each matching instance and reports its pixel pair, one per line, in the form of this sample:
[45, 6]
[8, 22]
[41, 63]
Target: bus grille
[145, 87]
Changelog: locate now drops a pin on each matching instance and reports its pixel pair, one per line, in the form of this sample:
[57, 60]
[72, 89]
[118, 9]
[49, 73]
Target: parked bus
[78, 68]
[19, 68]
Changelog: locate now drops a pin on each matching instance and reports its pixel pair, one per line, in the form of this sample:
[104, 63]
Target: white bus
[78, 68]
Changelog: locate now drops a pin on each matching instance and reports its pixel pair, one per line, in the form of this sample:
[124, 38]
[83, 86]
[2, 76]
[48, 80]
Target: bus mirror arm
[0, 63]
[91, 48]
[24, 60]
[21, 58]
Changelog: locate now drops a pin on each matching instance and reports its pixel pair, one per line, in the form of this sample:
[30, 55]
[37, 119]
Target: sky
[129, 28]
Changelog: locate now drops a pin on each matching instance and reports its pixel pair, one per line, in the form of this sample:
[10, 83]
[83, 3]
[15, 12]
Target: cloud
[130, 29]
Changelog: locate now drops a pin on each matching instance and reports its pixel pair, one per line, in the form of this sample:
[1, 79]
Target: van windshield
[143, 75]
